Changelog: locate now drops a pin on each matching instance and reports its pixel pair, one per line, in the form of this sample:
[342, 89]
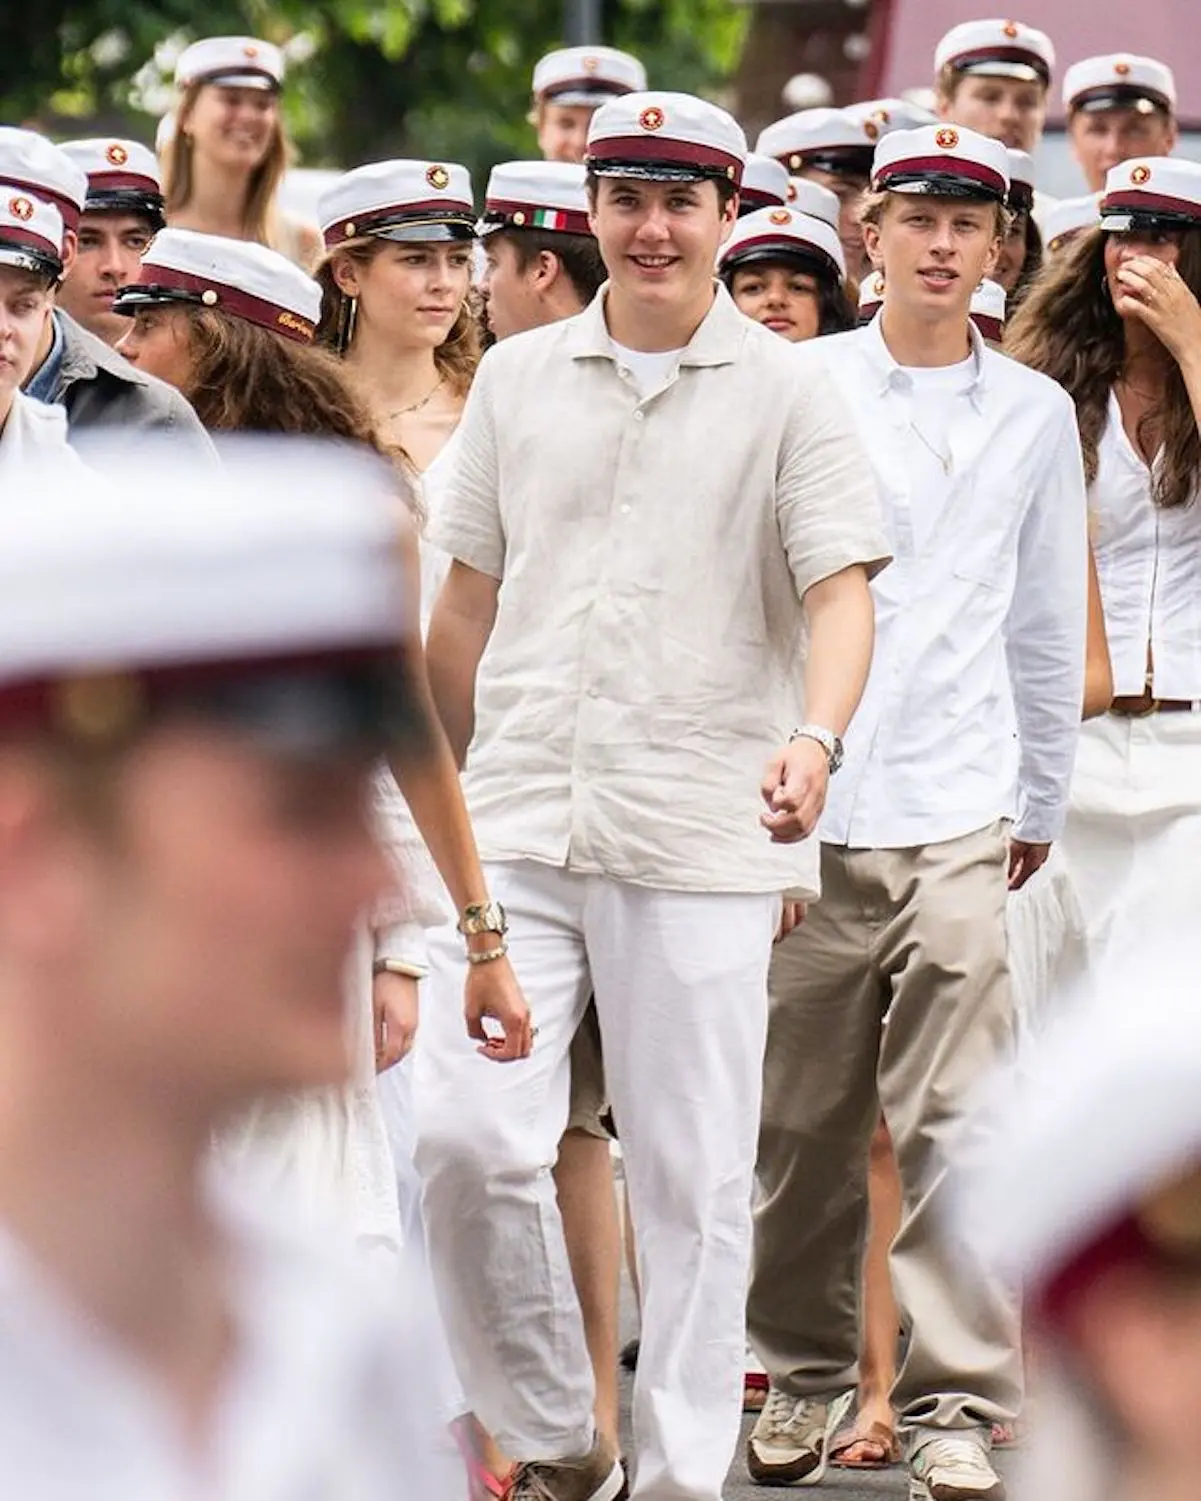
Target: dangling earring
[350, 315]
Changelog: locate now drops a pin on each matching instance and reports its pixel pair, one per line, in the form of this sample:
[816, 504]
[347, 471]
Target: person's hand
[492, 991]
[394, 1007]
[1024, 860]
[1158, 295]
[794, 789]
[792, 915]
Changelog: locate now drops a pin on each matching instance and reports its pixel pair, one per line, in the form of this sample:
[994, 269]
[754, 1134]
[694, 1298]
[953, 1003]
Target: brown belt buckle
[1152, 708]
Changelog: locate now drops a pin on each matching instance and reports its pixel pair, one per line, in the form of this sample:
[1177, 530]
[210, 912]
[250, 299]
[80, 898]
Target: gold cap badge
[437, 177]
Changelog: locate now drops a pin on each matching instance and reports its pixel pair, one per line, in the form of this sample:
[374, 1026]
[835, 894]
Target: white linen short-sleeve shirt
[652, 551]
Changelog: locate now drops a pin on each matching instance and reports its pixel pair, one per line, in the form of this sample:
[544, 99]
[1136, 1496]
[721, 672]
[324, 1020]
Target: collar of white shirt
[889, 376]
[718, 339]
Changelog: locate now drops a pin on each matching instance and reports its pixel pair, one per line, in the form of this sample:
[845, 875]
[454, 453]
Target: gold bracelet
[399, 967]
[487, 956]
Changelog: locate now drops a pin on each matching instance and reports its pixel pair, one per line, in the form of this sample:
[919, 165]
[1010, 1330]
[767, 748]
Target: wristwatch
[827, 739]
[483, 917]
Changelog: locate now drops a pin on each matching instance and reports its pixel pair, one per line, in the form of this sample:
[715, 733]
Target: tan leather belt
[1138, 706]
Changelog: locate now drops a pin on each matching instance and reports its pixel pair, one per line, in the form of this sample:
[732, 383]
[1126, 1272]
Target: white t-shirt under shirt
[650, 370]
[937, 393]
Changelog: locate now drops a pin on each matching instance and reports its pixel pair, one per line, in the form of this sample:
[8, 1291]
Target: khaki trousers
[894, 994]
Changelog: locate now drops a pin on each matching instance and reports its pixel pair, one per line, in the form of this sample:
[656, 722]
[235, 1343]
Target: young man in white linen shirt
[980, 622]
[652, 502]
[185, 756]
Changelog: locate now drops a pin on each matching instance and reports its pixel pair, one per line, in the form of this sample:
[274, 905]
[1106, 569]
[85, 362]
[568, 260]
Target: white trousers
[1133, 833]
[680, 981]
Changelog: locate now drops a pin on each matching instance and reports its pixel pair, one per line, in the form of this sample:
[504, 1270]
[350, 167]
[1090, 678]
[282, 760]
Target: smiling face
[781, 295]
[1104, 138]
[111, 247]
[659, 240]
[232, 127]
[1012, 110]
[25, 309]
[410, 293]
[934, 252]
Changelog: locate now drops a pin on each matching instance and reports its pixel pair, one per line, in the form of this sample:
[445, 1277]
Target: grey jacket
[101, 389]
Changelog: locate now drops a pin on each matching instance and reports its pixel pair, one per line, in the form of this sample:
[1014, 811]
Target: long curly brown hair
[455, 358]
[1068, 328]
[247, 379]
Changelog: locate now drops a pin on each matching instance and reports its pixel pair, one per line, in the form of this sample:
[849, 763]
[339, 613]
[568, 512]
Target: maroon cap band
[351, 226]
[1136, 200]
[787, 246]
[990, 328]
[67, 207]
[280, 320]
[753, 198]
[25, 239]
[945, 166]
[672, 153]
[123, 182]
[1001, 55]
[93, 702]
[521, 215]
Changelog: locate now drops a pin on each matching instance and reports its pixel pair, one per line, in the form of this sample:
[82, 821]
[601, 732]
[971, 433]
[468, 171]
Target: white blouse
[1148, 562]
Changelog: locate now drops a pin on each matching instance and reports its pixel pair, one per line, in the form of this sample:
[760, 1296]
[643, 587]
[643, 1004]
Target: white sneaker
[790, 1442]
[953, 1469]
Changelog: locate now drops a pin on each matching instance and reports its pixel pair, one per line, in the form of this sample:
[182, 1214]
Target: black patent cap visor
[148, 206]
[141, 295]
[659, 171]
[942, 185]
[782, 255]
[425, 231]
[40, 263]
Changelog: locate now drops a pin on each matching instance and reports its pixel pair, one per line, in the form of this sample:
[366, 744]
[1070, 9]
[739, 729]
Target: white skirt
[326, 1150]
[1048, 945]
[1133, 835]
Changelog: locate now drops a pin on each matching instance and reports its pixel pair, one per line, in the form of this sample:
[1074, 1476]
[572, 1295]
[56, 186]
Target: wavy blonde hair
[260, 216]
[456, 357]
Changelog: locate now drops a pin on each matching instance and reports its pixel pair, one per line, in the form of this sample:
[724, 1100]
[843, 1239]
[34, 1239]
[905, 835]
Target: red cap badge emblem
[1140, 175]
[651, 118]
[117, 154]
[780, 216]
[947, 138]
[20, 208]
[437, 177]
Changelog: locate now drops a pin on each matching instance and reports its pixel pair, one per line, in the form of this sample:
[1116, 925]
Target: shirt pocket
[984, 531]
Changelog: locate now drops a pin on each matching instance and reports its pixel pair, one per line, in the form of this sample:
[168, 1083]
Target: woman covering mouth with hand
[785, 269]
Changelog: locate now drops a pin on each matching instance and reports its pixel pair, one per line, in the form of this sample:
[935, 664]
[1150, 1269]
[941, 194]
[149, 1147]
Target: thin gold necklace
[943, 458]
[417, 405]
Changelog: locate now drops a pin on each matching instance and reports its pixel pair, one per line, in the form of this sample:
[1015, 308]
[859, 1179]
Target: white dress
[328, 1150]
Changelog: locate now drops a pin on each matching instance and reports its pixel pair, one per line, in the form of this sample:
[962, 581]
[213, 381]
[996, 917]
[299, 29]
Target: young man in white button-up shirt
[980, 628]
[654, 502]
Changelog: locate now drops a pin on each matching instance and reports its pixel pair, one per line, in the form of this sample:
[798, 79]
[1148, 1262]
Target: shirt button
[625, 510]
[623, 370]
[638, 416]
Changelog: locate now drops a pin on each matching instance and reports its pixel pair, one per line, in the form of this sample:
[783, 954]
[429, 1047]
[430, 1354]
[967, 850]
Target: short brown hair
[579, 255]
[725, 189]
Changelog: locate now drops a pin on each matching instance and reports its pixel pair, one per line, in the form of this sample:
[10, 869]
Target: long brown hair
[455, 358]
[1069, 329]
[260, 220]
[247, 379]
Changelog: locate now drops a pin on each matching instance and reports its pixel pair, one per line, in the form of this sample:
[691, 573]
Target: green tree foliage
[374, 77]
